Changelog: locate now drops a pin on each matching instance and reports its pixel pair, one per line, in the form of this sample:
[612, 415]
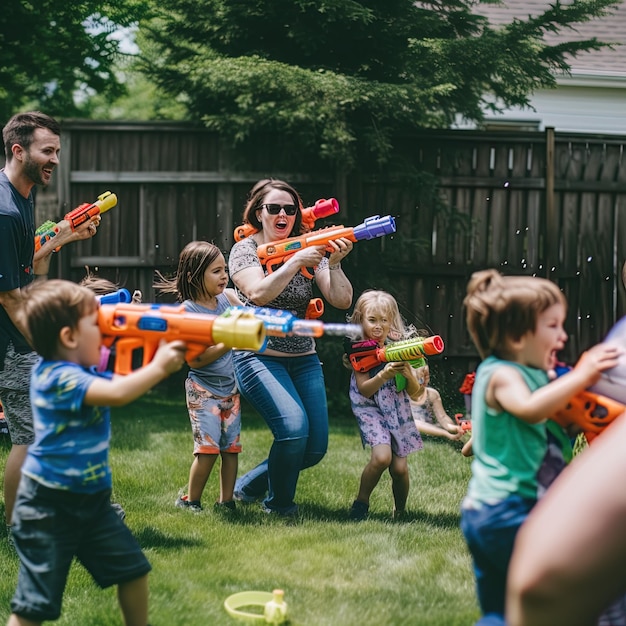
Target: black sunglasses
[274, 209]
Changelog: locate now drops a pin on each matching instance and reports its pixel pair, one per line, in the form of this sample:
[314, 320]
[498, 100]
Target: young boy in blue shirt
[63, 507]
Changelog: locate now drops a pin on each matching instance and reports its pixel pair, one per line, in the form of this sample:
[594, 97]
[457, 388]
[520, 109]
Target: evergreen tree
[344, 77]
[52, 49]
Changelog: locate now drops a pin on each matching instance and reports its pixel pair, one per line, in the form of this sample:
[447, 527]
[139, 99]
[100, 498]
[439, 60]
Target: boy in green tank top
[516, 323]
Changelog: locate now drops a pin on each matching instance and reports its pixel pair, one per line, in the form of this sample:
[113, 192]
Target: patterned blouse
[294, 298]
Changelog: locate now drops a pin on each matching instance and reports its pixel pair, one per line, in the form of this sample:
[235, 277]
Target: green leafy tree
[52, 49]
[342, 77]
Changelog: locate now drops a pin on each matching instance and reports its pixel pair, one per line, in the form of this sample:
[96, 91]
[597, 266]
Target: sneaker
[183, 502]
[359, 511]
[399, 515]
[119, 510]
[240, 496]
[292, 511]
[227, 506]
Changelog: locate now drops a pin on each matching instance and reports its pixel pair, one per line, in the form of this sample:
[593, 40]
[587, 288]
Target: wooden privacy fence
[529, 203]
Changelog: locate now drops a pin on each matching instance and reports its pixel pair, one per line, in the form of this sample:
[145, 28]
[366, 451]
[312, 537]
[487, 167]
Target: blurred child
[104, 287]
[428, 413]
[63, 507]
[212, 397]
[516, 323]
[383, 413]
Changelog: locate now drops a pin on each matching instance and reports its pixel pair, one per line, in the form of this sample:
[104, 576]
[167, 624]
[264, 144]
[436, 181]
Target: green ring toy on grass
[233, 605]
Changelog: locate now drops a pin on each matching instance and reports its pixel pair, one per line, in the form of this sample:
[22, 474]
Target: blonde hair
[503, 308]
[382, 302]
[52, 305]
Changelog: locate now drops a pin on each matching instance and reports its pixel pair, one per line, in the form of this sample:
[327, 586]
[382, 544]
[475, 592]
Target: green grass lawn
[333, 571]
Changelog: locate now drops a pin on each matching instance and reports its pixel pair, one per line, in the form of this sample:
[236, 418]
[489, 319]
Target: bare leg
[228, 475]
[133, 599]
[379, 462]
[15, 620]
[12, 475]
[399, 470]
[199, 474]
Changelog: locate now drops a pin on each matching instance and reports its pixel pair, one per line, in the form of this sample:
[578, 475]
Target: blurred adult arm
[569, 560]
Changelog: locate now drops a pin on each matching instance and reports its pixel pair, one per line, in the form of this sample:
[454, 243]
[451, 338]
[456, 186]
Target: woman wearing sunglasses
[285, 383]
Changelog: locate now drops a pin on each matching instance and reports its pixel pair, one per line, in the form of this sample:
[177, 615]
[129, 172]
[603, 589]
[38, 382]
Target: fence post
[550, 240]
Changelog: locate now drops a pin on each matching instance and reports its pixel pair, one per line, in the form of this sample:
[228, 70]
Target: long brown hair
[188, 283]
[256, 199]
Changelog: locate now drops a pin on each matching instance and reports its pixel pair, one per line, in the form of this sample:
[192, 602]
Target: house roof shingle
[611, 28]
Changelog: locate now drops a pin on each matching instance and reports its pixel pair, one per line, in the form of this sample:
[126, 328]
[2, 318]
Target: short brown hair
[501, 308]
[52, 305]
[21, 128]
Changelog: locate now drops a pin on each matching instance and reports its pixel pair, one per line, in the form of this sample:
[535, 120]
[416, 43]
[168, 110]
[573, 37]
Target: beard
[33, 170]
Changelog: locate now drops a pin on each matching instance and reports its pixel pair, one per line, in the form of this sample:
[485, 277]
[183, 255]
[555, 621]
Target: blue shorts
[50, 528]
[215, 422]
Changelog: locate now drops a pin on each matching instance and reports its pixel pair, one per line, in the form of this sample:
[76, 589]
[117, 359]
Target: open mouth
[553, 359]
[281, 225]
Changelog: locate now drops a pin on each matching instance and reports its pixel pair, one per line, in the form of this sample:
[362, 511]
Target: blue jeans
[490, 533]
[290, 395]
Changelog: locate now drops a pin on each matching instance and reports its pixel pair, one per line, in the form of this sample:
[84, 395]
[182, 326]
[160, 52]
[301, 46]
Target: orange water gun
[593, 413]
[76, 217]
[464, 424]
[589, 410]
[364, 355]
[322, 208]
[133, 326]
[273, 254]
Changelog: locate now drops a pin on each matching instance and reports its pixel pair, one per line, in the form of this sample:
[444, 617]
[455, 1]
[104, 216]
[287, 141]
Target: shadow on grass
[250, 514]
[159, 412]
[150, 537]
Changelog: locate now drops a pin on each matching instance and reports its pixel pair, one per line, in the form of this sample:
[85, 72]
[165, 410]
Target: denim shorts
[50, 528]
[490, 531]
[15, 395]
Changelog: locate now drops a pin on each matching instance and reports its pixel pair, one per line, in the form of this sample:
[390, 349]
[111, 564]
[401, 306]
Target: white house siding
[569, 108]
[593, 98]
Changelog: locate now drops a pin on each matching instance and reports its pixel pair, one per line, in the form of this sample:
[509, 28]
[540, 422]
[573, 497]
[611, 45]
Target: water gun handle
[314, 309]
[401, 380]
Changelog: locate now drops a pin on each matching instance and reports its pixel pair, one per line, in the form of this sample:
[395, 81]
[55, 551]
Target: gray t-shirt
[294, 298]
[217, 377]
